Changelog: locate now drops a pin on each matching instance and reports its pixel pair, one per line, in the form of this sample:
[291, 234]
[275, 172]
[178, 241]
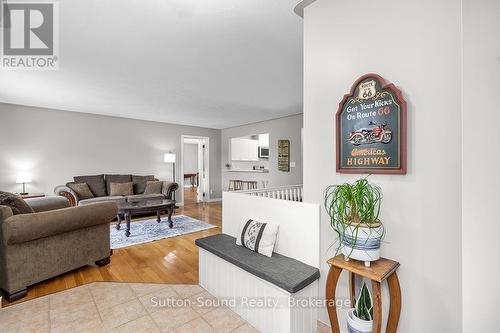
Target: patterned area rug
[150, 230]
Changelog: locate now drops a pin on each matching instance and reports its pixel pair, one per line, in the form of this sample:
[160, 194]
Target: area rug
[150, 230]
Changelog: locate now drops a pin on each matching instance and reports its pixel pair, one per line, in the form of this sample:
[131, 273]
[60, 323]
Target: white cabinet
[244, 149]
[264, 140]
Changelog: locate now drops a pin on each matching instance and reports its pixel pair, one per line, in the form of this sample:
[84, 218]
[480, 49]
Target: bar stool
[238, 185]
[251, 185]
[235, 185]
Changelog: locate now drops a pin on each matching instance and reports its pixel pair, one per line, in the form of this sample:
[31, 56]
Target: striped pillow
[257, 236]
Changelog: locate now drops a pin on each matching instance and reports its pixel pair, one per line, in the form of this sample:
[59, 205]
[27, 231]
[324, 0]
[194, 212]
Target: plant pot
[362, 243]
[356, 325]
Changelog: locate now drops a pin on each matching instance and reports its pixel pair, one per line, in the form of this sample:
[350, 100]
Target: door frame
[207, 166]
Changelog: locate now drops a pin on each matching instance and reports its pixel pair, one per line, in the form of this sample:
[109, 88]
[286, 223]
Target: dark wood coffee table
[126, 210]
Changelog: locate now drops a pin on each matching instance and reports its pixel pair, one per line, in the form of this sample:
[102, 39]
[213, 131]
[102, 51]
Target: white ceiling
[210, 63]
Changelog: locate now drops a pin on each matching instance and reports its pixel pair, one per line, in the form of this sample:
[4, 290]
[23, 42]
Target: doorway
[194, 169]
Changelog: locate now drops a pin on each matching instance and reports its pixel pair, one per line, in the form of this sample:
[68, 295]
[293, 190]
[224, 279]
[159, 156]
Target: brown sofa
[100, 188]
[36, 247]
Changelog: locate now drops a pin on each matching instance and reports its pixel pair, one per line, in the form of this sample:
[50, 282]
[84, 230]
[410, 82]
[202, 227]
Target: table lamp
[24, 179]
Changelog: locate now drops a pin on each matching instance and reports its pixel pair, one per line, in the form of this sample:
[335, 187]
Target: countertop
[249, 170]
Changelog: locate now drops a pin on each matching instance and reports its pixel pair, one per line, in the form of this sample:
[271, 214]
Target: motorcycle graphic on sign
[379, 133]
[371, 128]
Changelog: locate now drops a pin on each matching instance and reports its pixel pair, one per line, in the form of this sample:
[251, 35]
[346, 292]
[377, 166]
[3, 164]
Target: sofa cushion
[287, 273]
[46, 204]
[140, 183]
[116, 179]
[144, 197]
[121, 189]
[153, 187]
[15, 203]
[82, 190]
[117, 199]
[96, 184]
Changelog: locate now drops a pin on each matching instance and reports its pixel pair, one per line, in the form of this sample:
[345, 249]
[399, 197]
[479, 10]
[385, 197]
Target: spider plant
[352, 206]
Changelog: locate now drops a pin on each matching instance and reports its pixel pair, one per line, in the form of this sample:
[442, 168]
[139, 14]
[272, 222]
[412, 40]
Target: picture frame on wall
[284, 155]
[371, 128]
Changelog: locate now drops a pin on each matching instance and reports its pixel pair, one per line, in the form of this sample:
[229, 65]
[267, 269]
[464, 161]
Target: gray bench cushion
[284, 272]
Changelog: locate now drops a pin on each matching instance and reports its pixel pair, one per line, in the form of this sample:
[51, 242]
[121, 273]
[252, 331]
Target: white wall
[190, 158]
[53, 146]
[415, 45]
[287, 128]
[480, 178]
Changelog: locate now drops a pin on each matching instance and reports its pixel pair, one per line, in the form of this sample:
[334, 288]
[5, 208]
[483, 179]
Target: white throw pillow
[257, 236]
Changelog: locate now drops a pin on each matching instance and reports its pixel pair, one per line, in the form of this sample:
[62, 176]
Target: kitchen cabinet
[243, 149]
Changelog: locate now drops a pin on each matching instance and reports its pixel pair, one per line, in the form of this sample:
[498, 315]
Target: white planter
[367, 245]
[356, 325]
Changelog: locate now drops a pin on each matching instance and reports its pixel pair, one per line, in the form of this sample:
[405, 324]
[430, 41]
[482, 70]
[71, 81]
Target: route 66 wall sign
[371, 128]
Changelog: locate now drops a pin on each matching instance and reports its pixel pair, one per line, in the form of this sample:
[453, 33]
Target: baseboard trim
[323, 328]
[215, 200]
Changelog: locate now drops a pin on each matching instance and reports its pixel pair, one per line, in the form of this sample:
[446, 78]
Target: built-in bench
[284, 272]
[274, 294]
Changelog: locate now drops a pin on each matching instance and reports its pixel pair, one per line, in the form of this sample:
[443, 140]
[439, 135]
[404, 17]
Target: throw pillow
[16, 203]
[122, 189]
[96, 184]
[257, 236]
[153, 187]
[116, 179]
[140, 183]
[82, 190]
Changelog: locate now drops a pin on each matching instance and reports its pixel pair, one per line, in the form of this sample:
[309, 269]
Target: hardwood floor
[171, 260]
[190, 196]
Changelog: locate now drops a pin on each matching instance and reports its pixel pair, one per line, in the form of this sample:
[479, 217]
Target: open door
[195, 169]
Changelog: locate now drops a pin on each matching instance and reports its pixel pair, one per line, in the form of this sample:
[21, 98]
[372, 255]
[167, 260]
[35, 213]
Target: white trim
[299, 8]
[226, 280]
[207, 165]
[215, 200]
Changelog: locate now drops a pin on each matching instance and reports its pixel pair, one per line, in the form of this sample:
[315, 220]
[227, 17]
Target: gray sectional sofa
[100, 188]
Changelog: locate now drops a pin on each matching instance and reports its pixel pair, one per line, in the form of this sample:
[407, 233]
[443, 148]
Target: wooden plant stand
[380, 270]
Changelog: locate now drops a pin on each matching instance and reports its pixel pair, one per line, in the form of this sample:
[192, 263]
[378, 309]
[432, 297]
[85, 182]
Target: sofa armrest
[28, 227]
[45, 204]
[5, 213]
[168, 188]
[68, 193]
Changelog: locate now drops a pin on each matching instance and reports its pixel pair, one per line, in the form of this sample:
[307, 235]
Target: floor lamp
[170, 158]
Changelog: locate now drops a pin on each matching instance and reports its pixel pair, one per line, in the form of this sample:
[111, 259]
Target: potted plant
[354, 215]
[360, 318]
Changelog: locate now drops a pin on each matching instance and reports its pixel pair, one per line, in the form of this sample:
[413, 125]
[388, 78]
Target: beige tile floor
[123, 307]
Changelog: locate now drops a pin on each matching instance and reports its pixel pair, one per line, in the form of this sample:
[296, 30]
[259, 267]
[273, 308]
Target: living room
[97, 177]
[254, 166]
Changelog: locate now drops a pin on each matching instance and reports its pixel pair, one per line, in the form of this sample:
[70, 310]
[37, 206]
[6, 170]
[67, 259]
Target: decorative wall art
[284, 155]
[371, 128]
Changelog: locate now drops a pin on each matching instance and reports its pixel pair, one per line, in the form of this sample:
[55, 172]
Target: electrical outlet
[292, 164]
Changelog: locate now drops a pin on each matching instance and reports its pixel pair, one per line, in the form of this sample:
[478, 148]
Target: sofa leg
[11, 297]
[103, 262]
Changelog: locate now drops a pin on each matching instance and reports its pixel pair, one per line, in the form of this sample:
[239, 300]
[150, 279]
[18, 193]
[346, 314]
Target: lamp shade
[23, 178]
[169, 158]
